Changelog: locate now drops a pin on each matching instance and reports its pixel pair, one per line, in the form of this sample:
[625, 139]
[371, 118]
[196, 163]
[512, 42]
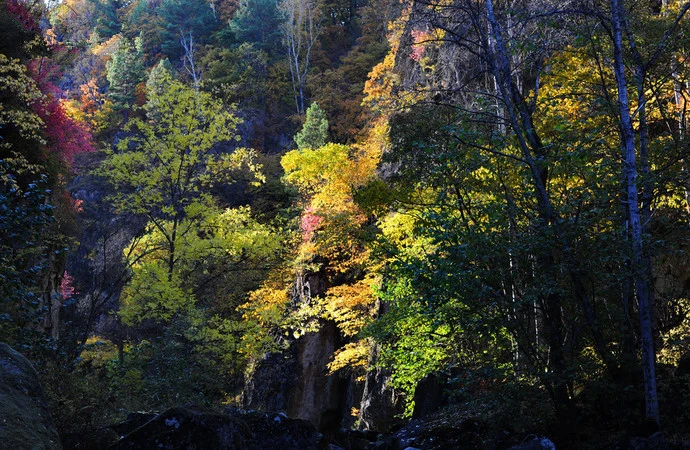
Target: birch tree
[634, 143]
[301, 25]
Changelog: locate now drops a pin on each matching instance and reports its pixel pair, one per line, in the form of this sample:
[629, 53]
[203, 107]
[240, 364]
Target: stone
[535, 443]
[380, 406]
[354, 439]
[297, 380]
[683, 368]
[25, 421]
[272, 381]
[317, 395]
[440, 432]
[190, 428]
[654, 442]
[428, 396]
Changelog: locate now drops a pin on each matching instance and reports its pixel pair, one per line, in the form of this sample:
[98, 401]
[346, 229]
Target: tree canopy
[490, 196]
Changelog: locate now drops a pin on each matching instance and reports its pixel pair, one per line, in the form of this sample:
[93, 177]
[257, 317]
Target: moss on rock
[25, 420]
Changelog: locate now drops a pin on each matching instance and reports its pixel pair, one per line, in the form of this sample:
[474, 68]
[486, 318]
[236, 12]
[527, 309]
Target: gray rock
[25, 421]
[535, 443]
[653, 442]
[297, 380]
[428, 396]
[380, 405]
[190, 428]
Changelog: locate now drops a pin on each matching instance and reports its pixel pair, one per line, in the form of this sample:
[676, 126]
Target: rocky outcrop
[656, 441]
[535, 443]
[25, 420]
[317, 396]
[272, 382]
[380, 405]
[429, 396]
[190, 428]
[441, 433]
[297, 381]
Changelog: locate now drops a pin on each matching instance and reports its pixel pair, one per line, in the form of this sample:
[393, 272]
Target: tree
[141, 18]
[26, 214]
[107, 20]
[125, 72]
[192, 263]
[507, 124]
[301, 28]
[180, 20]
[163, 170]
[314, 132]
[160, 78]
[189, 62]
[25, 222]
[158, 81]
[257, 22]
[472, 57]
[334, 237]
[635, 146]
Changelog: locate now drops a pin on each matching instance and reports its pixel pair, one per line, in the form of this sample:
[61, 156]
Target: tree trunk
[640, 267]
[520, 121]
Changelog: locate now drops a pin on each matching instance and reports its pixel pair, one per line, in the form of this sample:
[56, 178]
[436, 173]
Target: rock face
[428, 396]
[271, 383]
[380, 405]
[190, 429]
[25, 420]
[297, 381]
[317, 397]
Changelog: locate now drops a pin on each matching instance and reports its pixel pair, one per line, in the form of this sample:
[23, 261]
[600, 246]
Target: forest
[358, 213]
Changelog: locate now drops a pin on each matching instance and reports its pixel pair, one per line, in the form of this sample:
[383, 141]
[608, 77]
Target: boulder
[381, 405]
[297, 381]
[429, 396]
[440, 433]
[25, 420]
[189, 428]
[656, 441]
[535, 443]
[683, 368]
[271, 382]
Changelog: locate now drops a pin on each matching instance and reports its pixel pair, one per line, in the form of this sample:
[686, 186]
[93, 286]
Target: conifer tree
[125, 72]
[314, 133]
[257, 22]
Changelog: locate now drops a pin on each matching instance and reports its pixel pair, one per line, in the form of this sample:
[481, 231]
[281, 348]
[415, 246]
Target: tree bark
[640, 268]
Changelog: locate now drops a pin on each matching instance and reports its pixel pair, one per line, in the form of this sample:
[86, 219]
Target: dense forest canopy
[495, 194]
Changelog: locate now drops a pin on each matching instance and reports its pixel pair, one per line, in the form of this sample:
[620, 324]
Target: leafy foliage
[194, 261]
[457, 189]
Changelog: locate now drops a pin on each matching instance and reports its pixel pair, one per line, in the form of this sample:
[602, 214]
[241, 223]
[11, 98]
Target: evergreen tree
[107, 21]
[125, 72]
[257, 22]
[182, 17]
[314, 133]
[157, 84]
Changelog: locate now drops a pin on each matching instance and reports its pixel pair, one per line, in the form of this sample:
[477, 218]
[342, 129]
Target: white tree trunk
[645, 299]
[301, 28]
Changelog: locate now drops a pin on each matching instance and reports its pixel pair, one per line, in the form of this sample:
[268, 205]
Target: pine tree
[125, 72]
[314, 133]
